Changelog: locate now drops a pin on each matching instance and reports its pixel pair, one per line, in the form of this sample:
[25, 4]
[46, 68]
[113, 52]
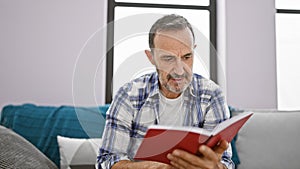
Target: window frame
[110, 36]
[290, 12]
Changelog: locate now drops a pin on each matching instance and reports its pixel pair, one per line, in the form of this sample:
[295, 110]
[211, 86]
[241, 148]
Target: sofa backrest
[270, 140]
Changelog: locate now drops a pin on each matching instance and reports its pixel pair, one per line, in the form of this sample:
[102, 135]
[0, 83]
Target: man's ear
[150, 56]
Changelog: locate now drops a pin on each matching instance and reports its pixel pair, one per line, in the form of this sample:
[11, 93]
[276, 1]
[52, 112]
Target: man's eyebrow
[170, 55]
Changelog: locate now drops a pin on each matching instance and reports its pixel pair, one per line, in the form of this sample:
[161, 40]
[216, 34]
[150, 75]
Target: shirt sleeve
[217, 112]
[226, 158]
[116, 135]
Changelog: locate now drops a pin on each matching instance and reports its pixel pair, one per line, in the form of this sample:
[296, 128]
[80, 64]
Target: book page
[183, 128]
[232, 120]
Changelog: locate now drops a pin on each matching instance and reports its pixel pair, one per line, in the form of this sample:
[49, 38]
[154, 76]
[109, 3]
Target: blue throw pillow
[41, 124]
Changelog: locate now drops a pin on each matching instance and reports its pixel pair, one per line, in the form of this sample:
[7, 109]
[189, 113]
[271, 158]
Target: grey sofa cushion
[16, 152]
[270, 140]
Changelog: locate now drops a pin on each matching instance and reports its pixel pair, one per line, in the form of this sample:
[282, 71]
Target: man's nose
[179, 67]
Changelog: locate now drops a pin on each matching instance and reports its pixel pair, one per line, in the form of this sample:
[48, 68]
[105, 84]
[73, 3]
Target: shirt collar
[154, 89]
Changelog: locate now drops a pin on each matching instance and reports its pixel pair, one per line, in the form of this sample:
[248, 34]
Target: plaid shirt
[136, 106]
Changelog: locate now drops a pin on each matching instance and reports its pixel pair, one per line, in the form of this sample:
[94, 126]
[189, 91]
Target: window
[287, 49]
[174, 2]
[130, 21]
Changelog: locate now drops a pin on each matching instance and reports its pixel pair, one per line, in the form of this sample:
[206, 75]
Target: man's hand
[208, 158]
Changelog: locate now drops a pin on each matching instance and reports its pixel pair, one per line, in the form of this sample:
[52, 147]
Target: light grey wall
[44, 42]
[40, 45]
[250, 54]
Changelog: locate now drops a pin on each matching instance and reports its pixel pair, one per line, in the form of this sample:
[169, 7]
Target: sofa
[69, 137]
[269, 140]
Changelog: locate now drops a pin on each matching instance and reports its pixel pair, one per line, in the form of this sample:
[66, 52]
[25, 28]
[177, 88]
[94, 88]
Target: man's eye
[168, 59]
[187, 57]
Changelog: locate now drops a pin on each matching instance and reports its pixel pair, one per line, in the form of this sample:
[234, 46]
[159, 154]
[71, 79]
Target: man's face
[173, 58]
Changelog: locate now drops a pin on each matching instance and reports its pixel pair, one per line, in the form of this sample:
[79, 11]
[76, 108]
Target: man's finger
[221, 147]
[182, 157]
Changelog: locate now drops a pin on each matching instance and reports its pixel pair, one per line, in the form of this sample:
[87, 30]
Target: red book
[161, 140]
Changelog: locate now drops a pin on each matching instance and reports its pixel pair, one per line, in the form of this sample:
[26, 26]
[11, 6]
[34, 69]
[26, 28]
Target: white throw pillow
[78, 152]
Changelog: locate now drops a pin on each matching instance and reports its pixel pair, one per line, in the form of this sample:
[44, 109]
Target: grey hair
[169, 22]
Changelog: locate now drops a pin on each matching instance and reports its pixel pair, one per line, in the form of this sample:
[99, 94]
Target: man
[172, 95]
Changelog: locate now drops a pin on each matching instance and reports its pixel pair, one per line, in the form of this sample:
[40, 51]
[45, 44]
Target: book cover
[161, 140]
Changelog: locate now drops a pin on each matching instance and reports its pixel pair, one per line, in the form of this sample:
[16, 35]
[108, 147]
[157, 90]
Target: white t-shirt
[171, 111]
